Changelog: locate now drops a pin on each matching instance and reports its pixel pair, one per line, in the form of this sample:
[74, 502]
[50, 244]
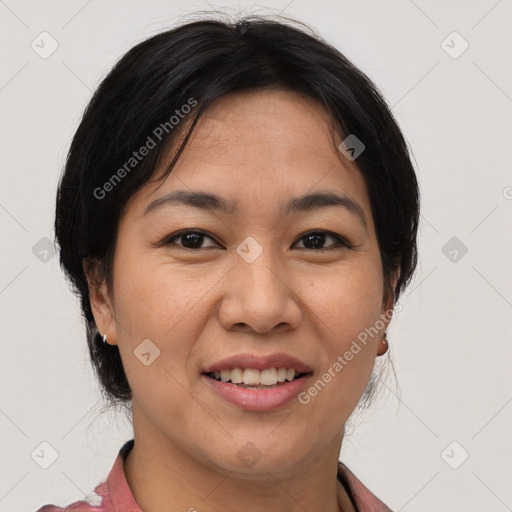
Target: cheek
[163, 303]
[156, 303]
[347, 300]
[153, 298]
[151, 311]
[347, 306]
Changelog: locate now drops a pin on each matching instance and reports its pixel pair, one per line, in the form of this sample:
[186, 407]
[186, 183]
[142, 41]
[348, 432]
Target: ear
[386, 313]
[101, 302]
[389, 300]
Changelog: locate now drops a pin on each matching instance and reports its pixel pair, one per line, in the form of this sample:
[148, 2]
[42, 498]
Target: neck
[163, 477]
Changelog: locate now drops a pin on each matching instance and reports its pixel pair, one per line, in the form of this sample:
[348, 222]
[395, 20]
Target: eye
[316, 239]
[190, 239]
[313, 240]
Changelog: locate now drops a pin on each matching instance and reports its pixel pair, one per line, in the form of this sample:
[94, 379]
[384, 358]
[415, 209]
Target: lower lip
[258, 399]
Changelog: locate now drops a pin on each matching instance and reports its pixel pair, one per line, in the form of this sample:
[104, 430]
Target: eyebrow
[211, 202]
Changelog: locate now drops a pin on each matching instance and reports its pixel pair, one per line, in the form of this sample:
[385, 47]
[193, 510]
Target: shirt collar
[119, 492]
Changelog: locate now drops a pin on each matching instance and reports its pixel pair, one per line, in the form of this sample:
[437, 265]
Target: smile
[257, 396]
[254, 377]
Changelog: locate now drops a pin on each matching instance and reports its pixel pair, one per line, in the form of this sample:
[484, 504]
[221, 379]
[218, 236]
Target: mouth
[251, 390]
[256, 382]
[252, 378]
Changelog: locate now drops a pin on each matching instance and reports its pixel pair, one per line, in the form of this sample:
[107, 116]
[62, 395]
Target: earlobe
[383, 345]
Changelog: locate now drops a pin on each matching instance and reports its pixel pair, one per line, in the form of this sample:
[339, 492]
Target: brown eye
[316, 240]
[190, 239]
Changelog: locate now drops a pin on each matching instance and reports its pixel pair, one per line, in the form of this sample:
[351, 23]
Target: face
[204, 283]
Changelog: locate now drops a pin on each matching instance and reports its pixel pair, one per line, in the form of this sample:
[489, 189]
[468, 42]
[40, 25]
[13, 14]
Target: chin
[254, 460]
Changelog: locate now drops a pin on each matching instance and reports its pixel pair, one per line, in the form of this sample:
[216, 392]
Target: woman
[238, 214]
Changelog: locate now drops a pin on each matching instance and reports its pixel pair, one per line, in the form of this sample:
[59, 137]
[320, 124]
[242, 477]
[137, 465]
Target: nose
[260, 296]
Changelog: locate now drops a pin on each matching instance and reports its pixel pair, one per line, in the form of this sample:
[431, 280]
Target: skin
[201, 305]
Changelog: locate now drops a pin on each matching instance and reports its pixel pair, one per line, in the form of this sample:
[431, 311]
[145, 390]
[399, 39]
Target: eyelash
[342, 243]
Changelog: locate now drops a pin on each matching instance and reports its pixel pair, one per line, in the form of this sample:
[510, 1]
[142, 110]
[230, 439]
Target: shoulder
[96, 501]
[363, 498]
[113, 494]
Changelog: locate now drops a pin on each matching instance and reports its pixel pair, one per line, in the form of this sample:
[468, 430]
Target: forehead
[262, 128]
[256, 147]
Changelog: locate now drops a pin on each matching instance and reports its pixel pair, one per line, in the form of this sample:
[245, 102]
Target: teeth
[253, 377]
[290, 374]
[281, 374]
[268, 377]
[237, 376]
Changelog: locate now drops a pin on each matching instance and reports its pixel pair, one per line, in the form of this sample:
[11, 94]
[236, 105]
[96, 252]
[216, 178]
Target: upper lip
[278, 360]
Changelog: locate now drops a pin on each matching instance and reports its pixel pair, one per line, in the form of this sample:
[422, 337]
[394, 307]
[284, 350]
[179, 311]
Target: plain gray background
[451, 340]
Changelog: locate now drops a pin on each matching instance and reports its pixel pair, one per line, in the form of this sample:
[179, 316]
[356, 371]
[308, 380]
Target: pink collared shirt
[114, 494]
